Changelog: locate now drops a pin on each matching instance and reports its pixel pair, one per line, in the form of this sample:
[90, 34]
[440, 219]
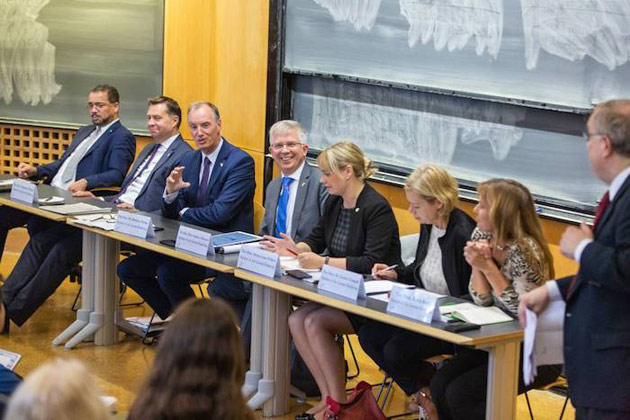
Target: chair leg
[354, 359]
[146, 337]
[123, 290]
[529, 407]
[76, 299]
[566, 401]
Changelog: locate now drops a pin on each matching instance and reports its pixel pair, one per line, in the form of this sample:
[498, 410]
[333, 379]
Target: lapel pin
[304, 183]
[356, 210]
[221, 164]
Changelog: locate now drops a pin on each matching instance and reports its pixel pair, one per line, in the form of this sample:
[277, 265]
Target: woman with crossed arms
[509, 257]
[439, 267]
[358, 229]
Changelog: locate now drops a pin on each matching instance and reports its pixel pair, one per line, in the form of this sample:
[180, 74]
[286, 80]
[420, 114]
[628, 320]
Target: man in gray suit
[50, 255]
[295, 201]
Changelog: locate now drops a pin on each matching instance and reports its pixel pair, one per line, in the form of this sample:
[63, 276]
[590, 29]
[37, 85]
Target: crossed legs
[313, 328]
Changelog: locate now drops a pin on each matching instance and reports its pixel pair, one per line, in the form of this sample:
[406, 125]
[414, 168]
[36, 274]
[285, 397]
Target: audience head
[432, 194]
[163, 117]
[204, 122]
[287, 145]
[341, 164]
[199, 367]
[608, 138]
[103, 104]
[506, 209]
[60, 390]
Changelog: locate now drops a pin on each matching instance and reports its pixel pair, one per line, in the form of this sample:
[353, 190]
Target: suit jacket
[150, 196]
[373, 231]
[456, 270]
[230, 193]
[104, 164]
[597, 319]
[309, 204]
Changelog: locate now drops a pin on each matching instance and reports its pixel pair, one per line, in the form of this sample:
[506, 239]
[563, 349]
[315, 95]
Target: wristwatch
[326, 260]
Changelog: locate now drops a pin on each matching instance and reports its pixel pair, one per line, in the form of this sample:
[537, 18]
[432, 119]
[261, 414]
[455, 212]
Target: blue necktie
[281, 214]
[203, 185]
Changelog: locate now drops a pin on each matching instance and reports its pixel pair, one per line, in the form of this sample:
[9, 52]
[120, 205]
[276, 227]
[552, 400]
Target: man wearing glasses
[99, 156]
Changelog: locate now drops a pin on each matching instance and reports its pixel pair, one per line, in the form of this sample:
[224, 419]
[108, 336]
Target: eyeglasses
[97, 105]
[289, 145]
[587, 136]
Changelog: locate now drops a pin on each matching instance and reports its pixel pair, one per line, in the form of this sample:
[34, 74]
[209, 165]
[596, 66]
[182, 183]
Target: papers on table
[377, 287]
[6, 184]
[142, 322]
[100, 221]
[50, 201]
[78, 208]
[9, 359]
[543, 341]
[480, 315]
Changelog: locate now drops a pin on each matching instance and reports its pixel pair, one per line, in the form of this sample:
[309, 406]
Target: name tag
[134, 224]
[257, 260]
[416, 304]
[24, 191]
[195, 241]
[342, 282]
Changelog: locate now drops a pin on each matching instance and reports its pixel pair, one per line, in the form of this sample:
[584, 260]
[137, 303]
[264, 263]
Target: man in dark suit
[99, 156]
[50, 255]
[597, 318]
[213, 188]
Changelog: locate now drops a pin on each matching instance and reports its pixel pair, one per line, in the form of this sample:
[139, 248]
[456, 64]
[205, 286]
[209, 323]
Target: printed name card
[342, 282]
[195, 241]
[416, 304]
[257, 260]
[24, 191]
[134, 224]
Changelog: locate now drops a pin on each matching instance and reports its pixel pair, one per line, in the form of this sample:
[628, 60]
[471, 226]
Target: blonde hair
[432, 182]
[336, 157]
[286, 127]
[513, 214]
[61, 390]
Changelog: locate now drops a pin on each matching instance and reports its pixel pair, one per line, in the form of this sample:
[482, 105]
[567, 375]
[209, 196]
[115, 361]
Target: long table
[269, 361]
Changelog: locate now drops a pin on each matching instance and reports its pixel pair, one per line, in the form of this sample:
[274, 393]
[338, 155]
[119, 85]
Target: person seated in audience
[358, 229]
[439, 267]
[60, 390]
[509, 257]
[49, 256]
[199, 367]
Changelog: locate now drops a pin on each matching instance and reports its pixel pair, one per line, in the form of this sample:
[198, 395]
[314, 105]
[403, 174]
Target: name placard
[134, 224]
[342, 282]
[257, 260]
[416, 304]
[24, 191]
[195, 241]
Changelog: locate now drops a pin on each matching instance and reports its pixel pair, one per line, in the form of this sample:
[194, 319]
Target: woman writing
[358, 228]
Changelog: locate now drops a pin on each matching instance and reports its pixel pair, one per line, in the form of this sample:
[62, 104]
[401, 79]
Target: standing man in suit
[294, 201]
[50, 255]
[213, 188]
[99, 156]
[597, 318]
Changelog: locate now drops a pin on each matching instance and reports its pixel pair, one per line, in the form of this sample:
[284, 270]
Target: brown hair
[432, 182]
[199, 367]
[112, 92]
[613, 119]
[513, 214]
[172, 107]
[213, 108]
[336, 157]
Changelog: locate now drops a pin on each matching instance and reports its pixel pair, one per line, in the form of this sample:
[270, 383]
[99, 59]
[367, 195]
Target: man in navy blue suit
[597, 317]
[50, 255]
[99, 156]
[213, 188]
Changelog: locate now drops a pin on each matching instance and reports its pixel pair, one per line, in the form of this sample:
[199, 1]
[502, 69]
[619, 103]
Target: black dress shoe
[304, 416]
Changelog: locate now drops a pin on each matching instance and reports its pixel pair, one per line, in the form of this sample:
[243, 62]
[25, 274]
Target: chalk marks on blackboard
[361, 13]
[27, 59]
[452, 24]
[573, 29]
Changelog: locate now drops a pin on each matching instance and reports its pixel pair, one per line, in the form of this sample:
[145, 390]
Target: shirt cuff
[553, 290]
[577, 254]
[169, 198]
[182, 211]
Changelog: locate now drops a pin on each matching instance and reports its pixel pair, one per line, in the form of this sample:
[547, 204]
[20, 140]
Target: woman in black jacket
[357, 229]
[439, 267]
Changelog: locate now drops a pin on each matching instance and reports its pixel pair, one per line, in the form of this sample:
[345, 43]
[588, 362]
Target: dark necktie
[281, 214]
[140, 171]
[599, 211]
[203, 185]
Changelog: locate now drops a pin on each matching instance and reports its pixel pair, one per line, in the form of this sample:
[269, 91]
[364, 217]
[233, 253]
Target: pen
[292, 251]
[391, 267]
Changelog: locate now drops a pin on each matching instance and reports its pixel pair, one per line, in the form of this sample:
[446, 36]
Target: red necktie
[601, 208]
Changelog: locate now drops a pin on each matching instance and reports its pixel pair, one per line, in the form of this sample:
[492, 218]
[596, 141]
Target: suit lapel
[300, 198]
[274, 194]
[217, 171]
[102, 139]
[610, 209]
[77, 141]
[193, 170]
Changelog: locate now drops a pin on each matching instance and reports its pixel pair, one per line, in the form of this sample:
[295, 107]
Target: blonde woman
[509, 257]
[439, 267]
[358, 228]
[60, 390]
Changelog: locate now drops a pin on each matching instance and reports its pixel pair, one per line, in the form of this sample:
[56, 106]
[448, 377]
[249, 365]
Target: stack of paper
[378, 287]
[78, 208]
[480, 315]
[101, 221]
[142, 322]
[6, 184]
[543, 342]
